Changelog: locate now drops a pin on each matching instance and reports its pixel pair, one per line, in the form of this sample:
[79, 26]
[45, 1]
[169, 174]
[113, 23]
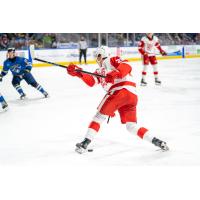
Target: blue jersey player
[3, 102]
[21, 70]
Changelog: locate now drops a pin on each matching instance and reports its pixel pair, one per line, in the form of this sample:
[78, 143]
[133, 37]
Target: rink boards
[66, 56]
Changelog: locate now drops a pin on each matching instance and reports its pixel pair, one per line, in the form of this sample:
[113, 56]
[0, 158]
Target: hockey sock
[144, 72]
[40, 88]
[94, 126]
[155, 74]
[19, 89]
[141, 132]
[155, 70]
[2, 99]
[92, 130]
[144, 75]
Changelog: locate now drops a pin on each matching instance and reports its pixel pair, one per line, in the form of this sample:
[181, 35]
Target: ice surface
[45, 131]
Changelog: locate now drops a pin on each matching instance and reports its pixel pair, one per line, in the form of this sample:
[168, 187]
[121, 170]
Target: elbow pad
[124, 69]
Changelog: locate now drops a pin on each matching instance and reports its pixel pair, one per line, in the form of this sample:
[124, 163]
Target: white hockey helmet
[11, 49]
[103, 51]
[150, 35]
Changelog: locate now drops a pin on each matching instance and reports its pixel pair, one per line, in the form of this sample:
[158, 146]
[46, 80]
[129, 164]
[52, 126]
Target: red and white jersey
[110, 64]
[149, 46]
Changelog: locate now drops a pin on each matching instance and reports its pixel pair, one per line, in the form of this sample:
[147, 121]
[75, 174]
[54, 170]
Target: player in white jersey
[120, 96]
[148, 47]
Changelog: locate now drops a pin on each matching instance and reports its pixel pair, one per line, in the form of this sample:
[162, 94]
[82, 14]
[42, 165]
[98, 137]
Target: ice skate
[157, 81]
[82, 147]
[143, 82]
[4, 106]
[23, 96]
[160, 143]
[46, 95]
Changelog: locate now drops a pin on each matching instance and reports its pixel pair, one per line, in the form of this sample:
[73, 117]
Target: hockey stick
[59, 65]
[108, 120]
[168, 53]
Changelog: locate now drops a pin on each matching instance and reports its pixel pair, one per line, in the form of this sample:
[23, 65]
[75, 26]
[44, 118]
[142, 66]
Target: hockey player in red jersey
[120, 96]
[147, 47]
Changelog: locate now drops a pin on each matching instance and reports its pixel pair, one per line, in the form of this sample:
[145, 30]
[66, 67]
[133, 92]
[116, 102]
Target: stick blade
[32, 50]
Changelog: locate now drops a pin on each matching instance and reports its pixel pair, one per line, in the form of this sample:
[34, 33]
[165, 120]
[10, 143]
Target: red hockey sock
[141, 131]
[94, 125]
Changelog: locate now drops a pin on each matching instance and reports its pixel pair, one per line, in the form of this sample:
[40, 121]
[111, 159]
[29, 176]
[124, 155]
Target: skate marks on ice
[61, 150]
[27, 100]
[55, 150]
[106, 152]
[3, 110]
[120, 154]
[109, 152]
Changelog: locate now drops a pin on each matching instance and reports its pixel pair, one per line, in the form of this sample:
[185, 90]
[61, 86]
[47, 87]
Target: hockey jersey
[113, 64]
[17, 66]
[149, 46]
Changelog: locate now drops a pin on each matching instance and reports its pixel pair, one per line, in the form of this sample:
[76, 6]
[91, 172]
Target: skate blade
[80, 150]
[166, 149]
[5, 109]
[157, 83]
[142, 84]
[163, 150]
[46, 96]
[23, 98]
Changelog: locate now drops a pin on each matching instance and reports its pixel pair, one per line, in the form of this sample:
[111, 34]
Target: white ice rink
[45, 131]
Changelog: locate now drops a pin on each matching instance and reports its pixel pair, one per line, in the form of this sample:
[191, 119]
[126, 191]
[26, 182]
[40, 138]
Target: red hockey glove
[111, 76]
[71, 69]
[163, 53]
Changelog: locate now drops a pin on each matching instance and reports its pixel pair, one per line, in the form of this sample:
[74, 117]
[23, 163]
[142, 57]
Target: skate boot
[82, 147]
[23, 96]
[157, 81]
[46, 95]
[4, 106]
[143, 82]
[160, 143]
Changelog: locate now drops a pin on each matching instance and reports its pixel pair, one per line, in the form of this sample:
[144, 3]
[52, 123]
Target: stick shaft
[44, 61]
[63, 66]
[93, 74]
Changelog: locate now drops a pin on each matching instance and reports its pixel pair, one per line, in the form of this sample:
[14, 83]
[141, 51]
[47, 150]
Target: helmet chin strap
[105, 62]
[98, 62]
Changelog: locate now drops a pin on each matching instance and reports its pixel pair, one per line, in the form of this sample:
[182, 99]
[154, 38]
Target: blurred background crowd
[70, 40]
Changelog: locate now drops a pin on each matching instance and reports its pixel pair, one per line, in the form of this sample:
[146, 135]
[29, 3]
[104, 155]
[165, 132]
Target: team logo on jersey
[149, 46]
[102, 71]
[15, 68]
